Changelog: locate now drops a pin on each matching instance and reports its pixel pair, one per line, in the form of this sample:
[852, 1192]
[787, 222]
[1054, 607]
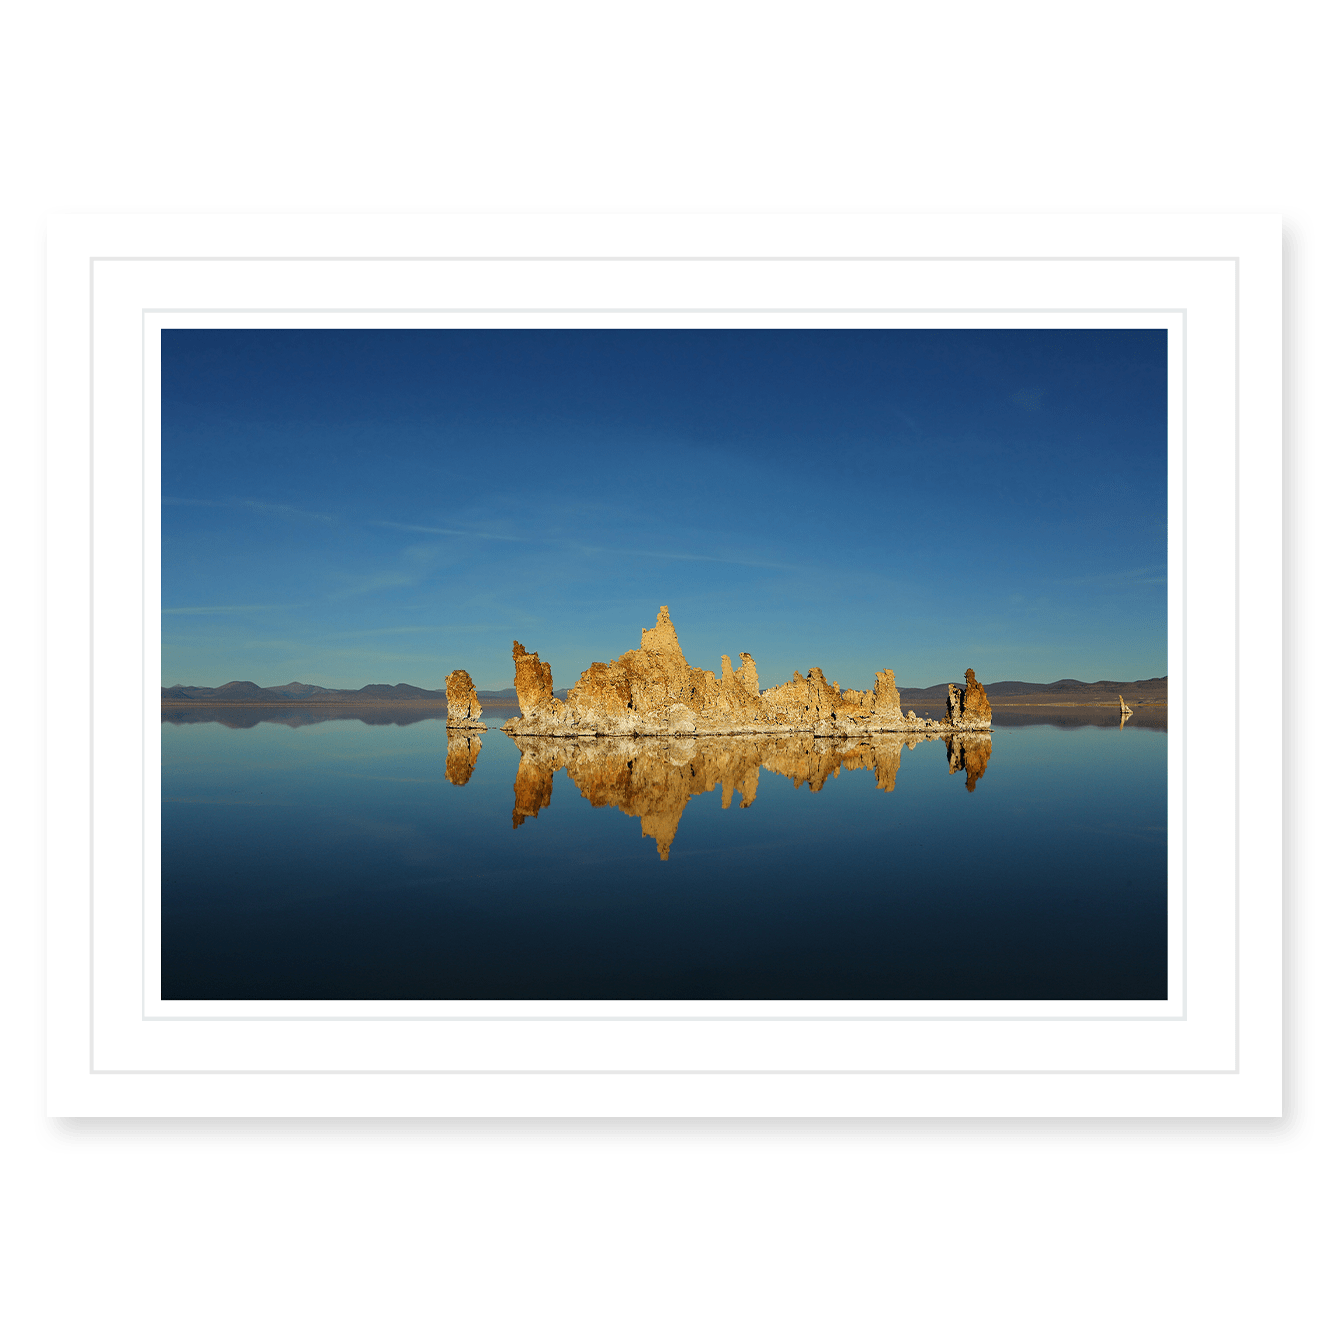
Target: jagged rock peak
[662, 639]
[533, 677]
[886, 701]
[463, 704]
[747, 675]
[968, 708]
[977, 710]
[534, 681]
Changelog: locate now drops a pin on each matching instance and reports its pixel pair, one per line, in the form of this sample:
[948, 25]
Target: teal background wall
[716, 103]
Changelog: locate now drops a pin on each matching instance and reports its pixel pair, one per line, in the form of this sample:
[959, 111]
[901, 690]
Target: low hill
[243, 690]
[1013, 692]
[1070, 692]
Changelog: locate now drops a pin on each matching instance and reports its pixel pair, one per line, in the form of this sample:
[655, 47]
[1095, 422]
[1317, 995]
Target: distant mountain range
[242, 690]
[1072, 690]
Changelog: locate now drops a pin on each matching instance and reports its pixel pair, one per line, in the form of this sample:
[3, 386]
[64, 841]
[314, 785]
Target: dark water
[349, 857]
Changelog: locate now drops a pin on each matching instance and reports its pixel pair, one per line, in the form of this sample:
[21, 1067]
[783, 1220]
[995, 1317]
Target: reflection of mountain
[1078, 718]
[245, 718]
[242, 690]
[653, 779]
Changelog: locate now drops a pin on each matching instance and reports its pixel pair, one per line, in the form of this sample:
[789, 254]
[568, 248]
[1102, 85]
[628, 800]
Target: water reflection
[246, 718]
[970, 754]
[338, 863]
[653, 779]
[1078, 718]
[463, 753]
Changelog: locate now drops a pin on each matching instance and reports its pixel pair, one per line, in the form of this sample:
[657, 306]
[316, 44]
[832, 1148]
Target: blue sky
[352, 507]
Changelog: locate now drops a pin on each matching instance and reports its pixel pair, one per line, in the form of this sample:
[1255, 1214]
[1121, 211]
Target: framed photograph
[664, 666]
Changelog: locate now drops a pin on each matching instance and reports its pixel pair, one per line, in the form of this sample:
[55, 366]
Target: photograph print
[664, 664]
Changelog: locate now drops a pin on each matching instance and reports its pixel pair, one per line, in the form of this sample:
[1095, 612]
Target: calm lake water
[319, 856]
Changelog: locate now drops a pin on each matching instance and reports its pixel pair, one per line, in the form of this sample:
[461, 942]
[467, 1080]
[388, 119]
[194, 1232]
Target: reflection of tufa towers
[970, 754]
[653, 779]
[463, 753]
[1126, 711]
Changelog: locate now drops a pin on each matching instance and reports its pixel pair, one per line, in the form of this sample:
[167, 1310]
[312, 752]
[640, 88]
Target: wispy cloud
[417, 628]
[371, 582]
[676, 555]
[450, 531]
[1153, 575]
[283, 510]
[365, 654]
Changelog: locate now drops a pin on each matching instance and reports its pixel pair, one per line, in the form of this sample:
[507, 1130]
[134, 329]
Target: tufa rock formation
[968, 708]
[654, 691]
[463, 704]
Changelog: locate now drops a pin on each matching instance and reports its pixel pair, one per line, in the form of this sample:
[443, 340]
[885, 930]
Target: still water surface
[324, 856]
